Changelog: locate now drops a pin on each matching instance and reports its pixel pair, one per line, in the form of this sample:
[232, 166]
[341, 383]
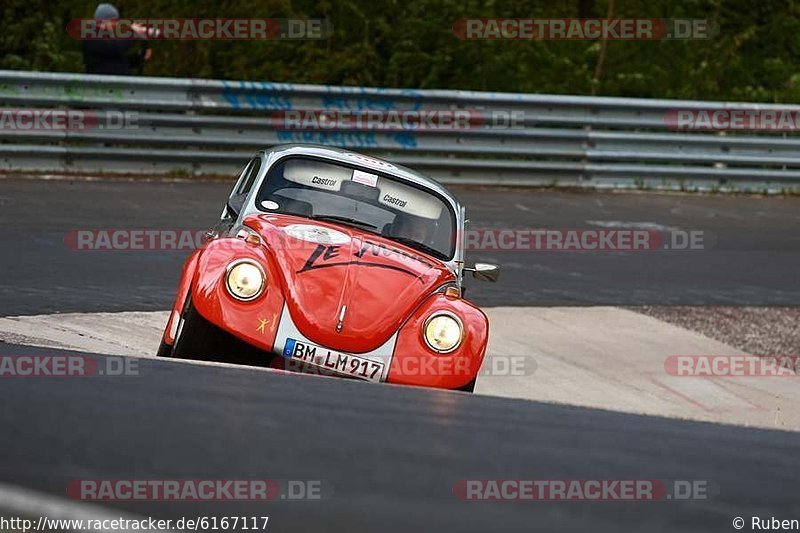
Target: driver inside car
[411, 227]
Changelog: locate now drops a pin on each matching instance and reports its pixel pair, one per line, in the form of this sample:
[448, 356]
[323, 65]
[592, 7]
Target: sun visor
[409, 199]
[316, 174]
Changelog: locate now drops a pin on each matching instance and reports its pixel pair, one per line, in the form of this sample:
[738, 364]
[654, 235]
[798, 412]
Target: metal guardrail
[191, 126]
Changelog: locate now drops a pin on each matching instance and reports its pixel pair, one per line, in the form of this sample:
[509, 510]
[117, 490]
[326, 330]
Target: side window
[241, 178]
[242, 188]
[250, 178]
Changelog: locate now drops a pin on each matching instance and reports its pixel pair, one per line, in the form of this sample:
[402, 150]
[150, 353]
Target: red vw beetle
[334, 262]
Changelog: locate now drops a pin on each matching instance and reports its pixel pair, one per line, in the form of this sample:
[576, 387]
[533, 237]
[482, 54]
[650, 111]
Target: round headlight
[245, 280]
[443, 332]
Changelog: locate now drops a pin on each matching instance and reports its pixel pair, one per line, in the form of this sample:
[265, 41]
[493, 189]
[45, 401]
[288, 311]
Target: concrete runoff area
[600, 357]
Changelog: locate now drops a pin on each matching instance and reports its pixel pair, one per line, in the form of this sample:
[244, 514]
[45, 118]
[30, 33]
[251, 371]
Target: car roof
[367, 161]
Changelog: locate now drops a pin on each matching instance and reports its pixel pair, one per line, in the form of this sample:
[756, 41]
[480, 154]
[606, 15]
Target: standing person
[113, 56]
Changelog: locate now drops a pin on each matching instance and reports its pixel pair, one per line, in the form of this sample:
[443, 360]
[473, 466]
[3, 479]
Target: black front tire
[201, 340]
[469, 387]
[164, 350]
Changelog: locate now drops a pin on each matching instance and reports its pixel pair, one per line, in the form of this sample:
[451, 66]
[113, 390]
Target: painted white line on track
[600, 357]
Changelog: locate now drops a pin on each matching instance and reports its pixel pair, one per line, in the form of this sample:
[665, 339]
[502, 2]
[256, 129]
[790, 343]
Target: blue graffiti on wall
[404, 140]
[259, 95]
[353, 140]
[366, 99]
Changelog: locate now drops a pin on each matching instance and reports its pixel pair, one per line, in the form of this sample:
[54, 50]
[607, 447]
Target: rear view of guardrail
[186, 127]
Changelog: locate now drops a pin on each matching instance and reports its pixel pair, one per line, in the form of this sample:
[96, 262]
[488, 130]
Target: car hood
[346, 289]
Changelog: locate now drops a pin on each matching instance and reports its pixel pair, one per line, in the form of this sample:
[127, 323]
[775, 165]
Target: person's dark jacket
[111, 56]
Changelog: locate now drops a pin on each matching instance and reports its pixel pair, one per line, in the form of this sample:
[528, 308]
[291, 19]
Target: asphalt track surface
[751, 257]
[388, 457]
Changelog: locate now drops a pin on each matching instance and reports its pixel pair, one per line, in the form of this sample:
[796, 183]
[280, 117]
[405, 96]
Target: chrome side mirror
[485, 271]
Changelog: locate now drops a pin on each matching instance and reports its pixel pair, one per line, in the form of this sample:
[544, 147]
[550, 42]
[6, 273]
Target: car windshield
[362, 199]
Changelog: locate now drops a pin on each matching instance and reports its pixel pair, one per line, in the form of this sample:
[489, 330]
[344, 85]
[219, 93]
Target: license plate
[333, 362]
